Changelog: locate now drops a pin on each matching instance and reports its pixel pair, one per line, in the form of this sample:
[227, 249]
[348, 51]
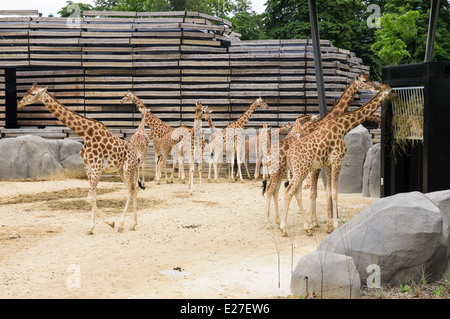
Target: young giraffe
[278, 161]
[102, 152]
[260, 145]
[324, 147]
[254, 144]
[140, 141]
[157, 127]
[231, 139]
[191, 140]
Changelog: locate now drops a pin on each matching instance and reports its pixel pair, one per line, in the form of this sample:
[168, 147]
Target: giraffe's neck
[350, 120]
[76, 122]
[344, 101]
[137, 101]
[242, 121]
[211, 124]
[143, 121]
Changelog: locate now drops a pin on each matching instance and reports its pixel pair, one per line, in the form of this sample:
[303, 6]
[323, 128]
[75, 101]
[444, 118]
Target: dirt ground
[212, 244]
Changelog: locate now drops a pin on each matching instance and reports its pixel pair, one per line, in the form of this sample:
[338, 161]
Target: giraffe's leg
[276, 191]
[257, 167]
[130, 172]
[268, 188]
[334, 185]
[200, 174]
[328, 198]
[217, 156]
[246, 167]
[289, 192]
[156, 148]
[294, 188]
[313, 178]
[239, 151]
[94, 178]
[210, 163]
[191, 175]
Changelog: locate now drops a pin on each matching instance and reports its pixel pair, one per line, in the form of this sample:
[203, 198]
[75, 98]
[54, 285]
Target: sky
[53, 6]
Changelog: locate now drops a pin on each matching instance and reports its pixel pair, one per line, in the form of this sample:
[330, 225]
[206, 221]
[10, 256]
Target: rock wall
[34, 157]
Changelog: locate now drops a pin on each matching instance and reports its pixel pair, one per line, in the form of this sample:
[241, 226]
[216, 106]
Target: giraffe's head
[33, 95]
[207, 112]
[364, 82]
[260, 102]
[199, 109]
[387, 92]
[128, 98]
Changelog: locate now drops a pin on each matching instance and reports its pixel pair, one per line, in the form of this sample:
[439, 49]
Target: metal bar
[317, 57]
[10, 98]
[431, 30]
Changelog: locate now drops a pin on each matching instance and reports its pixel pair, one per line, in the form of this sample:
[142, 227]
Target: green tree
[395, 32]
[247, 22]
[105, 5]
[74, 8]
[142, 5]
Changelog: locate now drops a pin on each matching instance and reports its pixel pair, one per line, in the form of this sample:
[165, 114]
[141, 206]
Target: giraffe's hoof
[308, 232]
[89, 232]
[112, 224]
[132, 228]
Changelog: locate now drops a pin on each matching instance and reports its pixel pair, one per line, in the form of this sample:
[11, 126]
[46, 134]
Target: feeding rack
[415, 147]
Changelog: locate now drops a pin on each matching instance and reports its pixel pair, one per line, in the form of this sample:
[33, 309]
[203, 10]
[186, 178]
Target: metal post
[317, 56]
[431, 30]
[10, 98]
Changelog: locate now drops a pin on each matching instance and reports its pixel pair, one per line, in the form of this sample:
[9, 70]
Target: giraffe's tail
[140, 185]
[286, 184]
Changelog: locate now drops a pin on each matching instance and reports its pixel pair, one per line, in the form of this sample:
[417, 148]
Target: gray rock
[372, 172]
[442, 200]
[34, 157]
[351, 175]
[402, 234]
[326, 275]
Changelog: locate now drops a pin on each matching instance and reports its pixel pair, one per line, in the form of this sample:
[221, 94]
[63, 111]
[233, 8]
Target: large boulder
[403, 235]
[372, 172]
[326, 275]
[34, 157]
[351, 175]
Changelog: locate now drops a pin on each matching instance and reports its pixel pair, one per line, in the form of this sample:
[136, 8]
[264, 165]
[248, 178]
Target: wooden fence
[170, 60]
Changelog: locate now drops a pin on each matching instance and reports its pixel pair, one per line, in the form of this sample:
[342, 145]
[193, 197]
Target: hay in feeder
[407, 118]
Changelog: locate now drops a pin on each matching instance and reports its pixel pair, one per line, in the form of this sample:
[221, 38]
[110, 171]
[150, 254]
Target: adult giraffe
[102, 151]
[324, 147]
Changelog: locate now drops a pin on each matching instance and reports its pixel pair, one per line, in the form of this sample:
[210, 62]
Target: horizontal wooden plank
[19, 12]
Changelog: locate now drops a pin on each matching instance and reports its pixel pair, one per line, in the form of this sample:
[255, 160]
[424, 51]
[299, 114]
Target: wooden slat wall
[169, 59]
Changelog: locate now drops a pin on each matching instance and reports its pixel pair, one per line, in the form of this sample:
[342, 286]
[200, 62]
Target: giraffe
[324, 147]
[140, 141]
[230, 138]
[102, 151]
[277, 159]
[254, 145]
[260, 146]
[191, 140]
[157, 127]
[277, 162]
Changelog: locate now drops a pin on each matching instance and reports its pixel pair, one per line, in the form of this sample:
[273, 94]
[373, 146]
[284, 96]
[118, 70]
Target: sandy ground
[212, 244]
